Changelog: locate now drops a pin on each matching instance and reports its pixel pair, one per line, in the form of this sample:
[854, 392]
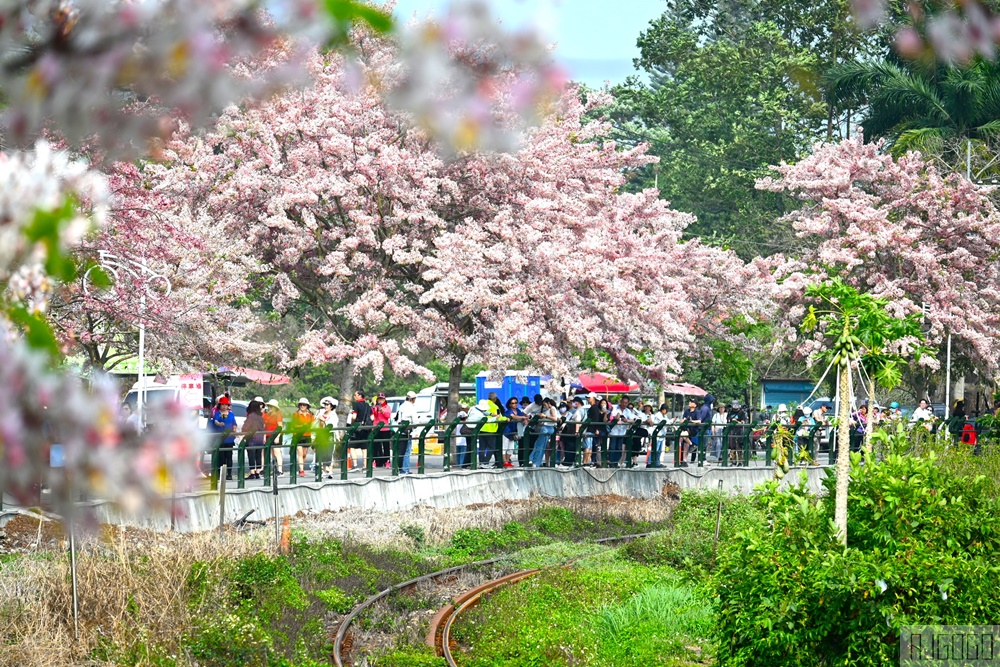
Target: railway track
[440, 630]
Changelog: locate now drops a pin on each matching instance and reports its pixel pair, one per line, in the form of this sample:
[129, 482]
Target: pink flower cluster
[899, 229]
[50, 417]
[42, 179]
[121, 72]
[206, 317]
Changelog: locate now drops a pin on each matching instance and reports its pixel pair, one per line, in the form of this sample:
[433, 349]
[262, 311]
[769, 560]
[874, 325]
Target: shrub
[556, 521]
[336, 600]
[923, 541]
[480, 543]
[228, 640]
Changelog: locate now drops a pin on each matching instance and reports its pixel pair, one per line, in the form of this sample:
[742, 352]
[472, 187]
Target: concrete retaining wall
[200, 511]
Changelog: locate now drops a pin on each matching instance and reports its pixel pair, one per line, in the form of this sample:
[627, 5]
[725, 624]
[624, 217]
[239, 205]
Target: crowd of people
[585, 430]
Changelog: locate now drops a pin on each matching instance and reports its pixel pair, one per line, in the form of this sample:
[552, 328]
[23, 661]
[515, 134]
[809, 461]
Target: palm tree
[916, 107]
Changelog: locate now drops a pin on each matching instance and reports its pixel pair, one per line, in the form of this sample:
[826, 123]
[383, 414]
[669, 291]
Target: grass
[659, 625]
[606, 612]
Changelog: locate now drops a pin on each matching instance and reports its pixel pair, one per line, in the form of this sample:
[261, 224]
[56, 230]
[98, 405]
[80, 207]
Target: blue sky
[595, 39]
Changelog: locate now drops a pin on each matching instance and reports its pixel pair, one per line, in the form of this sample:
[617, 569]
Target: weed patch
[556, 619]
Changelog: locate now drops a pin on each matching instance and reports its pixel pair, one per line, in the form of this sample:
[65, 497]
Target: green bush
[336, 600]
[923, 547]
[265, 586]
[481, 543]
[228, 640]
[556, 521]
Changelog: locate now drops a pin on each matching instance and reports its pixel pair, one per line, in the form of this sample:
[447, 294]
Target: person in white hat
[301, 431]
[781, 416]
[328, 419]
[407, 412]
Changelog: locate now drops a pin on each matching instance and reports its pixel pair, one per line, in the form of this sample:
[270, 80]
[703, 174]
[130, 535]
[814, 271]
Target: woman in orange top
[301, 421]
[273, 421]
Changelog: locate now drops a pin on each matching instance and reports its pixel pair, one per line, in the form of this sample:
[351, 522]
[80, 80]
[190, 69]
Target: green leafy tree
[717, 111]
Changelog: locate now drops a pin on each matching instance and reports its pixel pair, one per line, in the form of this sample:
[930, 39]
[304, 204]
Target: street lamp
[114, 265]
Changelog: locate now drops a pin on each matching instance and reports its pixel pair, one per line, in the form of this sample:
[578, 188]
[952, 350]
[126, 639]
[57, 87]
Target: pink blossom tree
[901, 230]
[209, 316]
[488, 257]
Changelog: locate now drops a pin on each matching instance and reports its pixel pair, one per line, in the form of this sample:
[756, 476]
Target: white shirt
[407, 412]
[922, 413]
[475, 416]
[626, 417]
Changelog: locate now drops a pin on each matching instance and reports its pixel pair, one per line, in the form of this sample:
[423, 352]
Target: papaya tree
[856, 329]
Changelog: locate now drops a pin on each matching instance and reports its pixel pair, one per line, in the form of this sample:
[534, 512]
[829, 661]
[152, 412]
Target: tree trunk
[454, 385]
[843, 454]
[346, 404]
[868, 424]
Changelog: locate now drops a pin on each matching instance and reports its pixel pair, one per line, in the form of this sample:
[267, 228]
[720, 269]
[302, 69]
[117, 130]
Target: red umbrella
[598, 382]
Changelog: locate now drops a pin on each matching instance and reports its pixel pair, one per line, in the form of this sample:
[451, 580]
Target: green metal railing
[663, 444]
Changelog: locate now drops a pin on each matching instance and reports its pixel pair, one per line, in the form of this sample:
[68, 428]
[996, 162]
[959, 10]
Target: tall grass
[131, 594]
[670, 608]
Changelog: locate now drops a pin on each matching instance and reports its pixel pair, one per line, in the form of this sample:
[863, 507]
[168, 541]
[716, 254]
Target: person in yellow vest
[489, 436]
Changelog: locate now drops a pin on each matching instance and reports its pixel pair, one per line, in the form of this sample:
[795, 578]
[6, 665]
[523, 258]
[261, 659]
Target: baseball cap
[258, 399]
[411, 394]
[224, 401]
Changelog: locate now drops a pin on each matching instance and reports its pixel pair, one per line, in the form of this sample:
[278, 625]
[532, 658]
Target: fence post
[627, 445]
[581, 436]
[241, 464]
[222, 499]
[216, 455]
[266, 453]
[747, 443]
[550, 447]
[446, 445]
[685, 425]
[422, 446]
[370, 458]
[394, 453]
[293, 458]
[346, 449]
[524, 445]
[724, 452]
